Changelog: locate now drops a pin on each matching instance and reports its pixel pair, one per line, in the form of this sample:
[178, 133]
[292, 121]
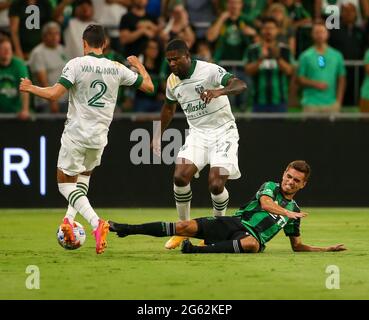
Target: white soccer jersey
[203, 76]
[93, 82]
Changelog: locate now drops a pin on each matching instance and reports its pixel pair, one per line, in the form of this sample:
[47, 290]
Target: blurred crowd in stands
[282, 49]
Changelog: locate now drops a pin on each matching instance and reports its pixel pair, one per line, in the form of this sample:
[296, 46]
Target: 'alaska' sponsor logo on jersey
[100, 70]
[194, 107]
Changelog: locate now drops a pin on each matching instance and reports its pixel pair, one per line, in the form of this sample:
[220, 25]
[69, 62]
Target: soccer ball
[79, 233]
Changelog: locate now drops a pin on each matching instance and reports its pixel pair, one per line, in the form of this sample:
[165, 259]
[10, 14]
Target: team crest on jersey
[199, 89]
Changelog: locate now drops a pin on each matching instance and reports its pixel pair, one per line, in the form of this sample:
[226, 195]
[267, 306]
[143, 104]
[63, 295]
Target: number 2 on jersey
[93, 102]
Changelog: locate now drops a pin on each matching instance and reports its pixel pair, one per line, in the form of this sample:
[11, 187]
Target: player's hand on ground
[208, 95]
[25, 84]
[296, 215]
[337, 247]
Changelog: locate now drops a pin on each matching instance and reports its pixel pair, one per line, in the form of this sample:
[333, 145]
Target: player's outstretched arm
[233, 87]
[298, 246]
[270, 206]
[50, 93]
[146, 85]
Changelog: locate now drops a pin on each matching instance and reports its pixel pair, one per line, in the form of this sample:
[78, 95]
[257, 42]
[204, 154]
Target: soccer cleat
[100, 234]
[117, 227]
[67, 229]
[174, 242]
[187, 246]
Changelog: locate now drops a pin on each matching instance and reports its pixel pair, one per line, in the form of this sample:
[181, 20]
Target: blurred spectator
[108, 13]
[136, 28]
[232, 35]
[201, 14]
[23, 38]
[321, 74]
[310, 6]
[151, 102]
[297, 13]
[362, 7]
[12, 69]
[63, 11]
[82, 17]
[46, 63]
[270, 65]
[4, 19]
[203, 51]
[153, 8]
[178, 26]
[286, 33]
[253, 11]
[349, 40]
[364, 102]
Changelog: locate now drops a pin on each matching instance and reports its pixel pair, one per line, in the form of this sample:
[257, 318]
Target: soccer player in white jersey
[93, 82]
[201, 89]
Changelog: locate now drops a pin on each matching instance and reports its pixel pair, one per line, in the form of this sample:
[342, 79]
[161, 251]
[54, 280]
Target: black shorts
[216, 229]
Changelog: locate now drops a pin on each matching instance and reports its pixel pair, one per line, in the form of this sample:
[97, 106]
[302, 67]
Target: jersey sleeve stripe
[225, 78]
[65, 82]
[138, 81]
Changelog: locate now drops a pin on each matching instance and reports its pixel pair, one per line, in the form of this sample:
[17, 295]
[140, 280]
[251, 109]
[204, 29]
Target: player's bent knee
[250, 245]
[181, 180]
[216, 187]
[186, 228]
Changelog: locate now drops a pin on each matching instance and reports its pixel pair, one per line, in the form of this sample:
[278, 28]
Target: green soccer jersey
[10, 77]
[264, 225]
[270, 83]
[365, 86]
[327, 67]
[297, 12]
[232, 42]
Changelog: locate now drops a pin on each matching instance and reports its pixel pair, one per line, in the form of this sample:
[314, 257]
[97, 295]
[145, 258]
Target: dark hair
[302, 166]
[177, 44]
[94, 35]
[80, 2]
[5, 38]
[269, 19]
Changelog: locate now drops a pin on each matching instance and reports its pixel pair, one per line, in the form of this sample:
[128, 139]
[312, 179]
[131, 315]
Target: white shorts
[217, 148]
[74, 159]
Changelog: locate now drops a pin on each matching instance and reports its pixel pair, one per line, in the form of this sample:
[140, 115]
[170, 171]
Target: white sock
[79, 201]
[183, 196]
[220, 202]
[83, 183]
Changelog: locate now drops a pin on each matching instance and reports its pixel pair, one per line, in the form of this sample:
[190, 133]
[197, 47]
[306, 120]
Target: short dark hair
[177, 44]
[94, 35]
[5, 38]
[302, 166]
[269, 19]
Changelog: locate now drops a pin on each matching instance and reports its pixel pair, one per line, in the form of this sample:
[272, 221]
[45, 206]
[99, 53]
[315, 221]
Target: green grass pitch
[138, 267]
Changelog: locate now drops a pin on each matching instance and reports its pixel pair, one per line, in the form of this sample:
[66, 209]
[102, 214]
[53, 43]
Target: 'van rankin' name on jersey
[100, 70]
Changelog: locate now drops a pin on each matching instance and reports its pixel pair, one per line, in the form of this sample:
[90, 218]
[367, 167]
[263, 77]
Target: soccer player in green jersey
[250, 228]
